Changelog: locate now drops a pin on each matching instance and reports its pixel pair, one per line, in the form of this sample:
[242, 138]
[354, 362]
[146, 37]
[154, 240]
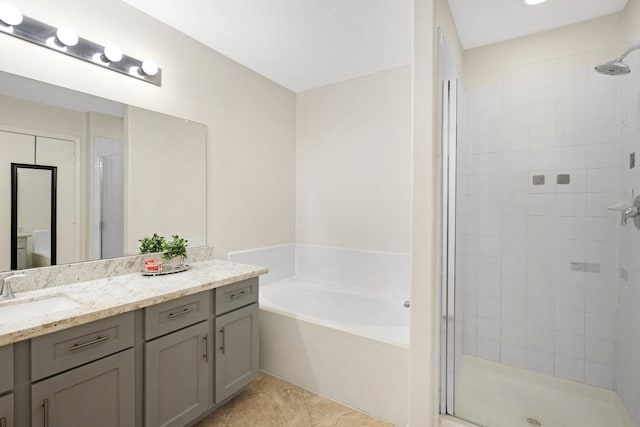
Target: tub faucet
[6, 292]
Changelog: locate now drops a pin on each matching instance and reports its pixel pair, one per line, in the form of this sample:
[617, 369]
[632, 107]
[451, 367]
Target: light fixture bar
[45, 35]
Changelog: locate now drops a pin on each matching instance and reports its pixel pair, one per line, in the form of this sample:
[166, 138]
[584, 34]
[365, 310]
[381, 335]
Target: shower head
[613, 68]
[617, 67]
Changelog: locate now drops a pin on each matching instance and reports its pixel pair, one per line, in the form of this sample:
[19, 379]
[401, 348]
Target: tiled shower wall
[628, 355]
[537, 263]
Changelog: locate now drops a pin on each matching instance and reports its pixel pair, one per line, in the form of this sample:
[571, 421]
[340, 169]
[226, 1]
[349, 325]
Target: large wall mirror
[119, 173]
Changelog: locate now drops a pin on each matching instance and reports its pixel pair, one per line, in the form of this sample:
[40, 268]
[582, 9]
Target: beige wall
[353, 163]
[585, 43]
[631, 20]
[250, 120]
[444, 21]
[422, 391]
[166, 177]
[20, 115]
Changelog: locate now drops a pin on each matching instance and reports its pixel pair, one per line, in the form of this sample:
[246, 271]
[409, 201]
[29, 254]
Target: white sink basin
[20, 309]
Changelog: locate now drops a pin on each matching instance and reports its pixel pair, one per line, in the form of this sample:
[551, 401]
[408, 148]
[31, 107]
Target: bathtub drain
[534, 422]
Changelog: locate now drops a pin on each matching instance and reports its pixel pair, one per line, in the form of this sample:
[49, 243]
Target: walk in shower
[539, 267]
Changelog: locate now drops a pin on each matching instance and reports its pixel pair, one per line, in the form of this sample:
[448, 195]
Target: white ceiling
[304, 44]
[300, 44]
[482, 22]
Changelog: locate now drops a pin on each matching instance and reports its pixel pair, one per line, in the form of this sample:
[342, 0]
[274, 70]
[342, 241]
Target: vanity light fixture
[534, 2]
[66, 40]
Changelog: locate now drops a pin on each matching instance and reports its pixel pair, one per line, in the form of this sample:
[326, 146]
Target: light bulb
[148, 68]
[10, 15]
[66, 36]
[112, 53]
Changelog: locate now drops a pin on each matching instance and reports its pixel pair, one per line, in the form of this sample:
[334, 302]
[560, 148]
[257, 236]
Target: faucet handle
[631, 212]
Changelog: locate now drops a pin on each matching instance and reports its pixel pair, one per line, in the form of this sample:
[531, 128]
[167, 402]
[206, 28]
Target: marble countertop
[115, 295]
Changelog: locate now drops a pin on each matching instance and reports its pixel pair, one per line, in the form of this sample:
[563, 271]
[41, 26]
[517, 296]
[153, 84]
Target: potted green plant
[174, 251]
[153, 244]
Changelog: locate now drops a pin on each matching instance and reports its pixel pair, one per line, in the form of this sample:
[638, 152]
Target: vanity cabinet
[84, 375]
[236, 327]
[6, 411]
[6, 385]
[177, 380]
[165, 365]
[99, 394]
[6, 368]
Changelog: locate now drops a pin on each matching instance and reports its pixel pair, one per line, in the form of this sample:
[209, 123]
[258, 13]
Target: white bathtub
[345, 343]
[373, 315]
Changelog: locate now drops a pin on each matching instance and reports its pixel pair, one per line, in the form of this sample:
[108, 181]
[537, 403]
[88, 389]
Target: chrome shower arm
[633, 47]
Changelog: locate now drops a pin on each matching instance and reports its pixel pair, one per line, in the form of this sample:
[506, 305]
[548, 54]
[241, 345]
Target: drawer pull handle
[238, 295]
[88, 343]
[180, 313]
[206, 349]
[45, 407]
[3, 422]
[222, 340]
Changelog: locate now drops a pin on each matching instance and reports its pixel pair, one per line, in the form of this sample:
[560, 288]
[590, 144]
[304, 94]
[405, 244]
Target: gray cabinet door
[6, 368]
[177, 381]
[99, 394]
[6, 411]
[236, 350]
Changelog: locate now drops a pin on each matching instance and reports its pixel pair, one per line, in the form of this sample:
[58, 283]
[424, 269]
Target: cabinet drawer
[6, 368]
[172, 315]
[236, 295]
[67, 349]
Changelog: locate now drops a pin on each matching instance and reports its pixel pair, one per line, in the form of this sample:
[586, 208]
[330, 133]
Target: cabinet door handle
[238, 295]
[45, 407]
[88, 343]
[222, 340]
[3, 422]
[180, 313]
[206, 349]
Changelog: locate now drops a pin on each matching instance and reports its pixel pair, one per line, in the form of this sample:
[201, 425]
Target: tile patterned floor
[272, 402]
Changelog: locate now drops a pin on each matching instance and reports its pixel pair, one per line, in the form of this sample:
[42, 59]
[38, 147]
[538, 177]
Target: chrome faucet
[6, 292]
[630, 212]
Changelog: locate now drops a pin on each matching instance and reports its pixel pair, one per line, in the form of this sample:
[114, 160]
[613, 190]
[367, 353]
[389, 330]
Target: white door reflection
[108, 200]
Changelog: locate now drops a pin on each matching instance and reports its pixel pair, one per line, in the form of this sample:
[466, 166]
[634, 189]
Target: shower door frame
[448, 159]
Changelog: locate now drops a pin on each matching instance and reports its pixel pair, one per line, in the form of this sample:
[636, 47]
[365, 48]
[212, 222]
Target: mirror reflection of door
[33, 216]
[108, 203]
